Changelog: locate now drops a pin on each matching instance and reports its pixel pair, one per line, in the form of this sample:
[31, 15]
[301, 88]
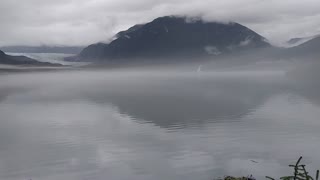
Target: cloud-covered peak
[82, 22]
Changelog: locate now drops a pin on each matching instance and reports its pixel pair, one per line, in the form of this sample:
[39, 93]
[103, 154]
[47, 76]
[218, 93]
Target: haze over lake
[158, 123]
[159, 90]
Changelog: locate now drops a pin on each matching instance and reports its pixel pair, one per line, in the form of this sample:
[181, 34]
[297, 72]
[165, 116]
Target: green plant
[300, 173]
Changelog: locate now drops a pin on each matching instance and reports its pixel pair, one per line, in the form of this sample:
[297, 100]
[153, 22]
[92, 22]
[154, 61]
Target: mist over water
[165, 123]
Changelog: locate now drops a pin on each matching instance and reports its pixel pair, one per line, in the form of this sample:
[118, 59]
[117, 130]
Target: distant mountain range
[310, 49]
[21, 60]
[175, 37]
[179, 38]
[43, 49]
[297, 41]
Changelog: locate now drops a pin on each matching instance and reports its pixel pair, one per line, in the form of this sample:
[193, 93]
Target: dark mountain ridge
[310, 46]
[22, 60]
[175, 37]
[300, 40]
[307, 50]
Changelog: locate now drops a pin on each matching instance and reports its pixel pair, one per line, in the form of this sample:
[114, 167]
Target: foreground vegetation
[299, 173]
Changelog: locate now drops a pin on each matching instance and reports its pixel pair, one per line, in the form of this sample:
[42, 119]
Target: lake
[144, 124]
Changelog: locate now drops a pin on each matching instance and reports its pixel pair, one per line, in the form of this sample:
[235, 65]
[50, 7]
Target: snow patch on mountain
[212, 50]
[166, 29]
[246, 42]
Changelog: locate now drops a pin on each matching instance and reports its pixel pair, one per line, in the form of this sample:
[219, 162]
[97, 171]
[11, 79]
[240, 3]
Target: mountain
[171, 36]
[310, 46]
[43, 49]
[309, 49]
[297, 41]
[21, 60]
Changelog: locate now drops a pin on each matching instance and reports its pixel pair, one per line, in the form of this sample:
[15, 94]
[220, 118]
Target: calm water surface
[144, 125]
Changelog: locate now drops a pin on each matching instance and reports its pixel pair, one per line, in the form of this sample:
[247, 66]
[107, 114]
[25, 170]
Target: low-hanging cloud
[82, 22]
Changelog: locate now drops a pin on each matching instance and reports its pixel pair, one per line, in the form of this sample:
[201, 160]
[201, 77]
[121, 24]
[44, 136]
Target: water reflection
[191, 102]
[137, 125]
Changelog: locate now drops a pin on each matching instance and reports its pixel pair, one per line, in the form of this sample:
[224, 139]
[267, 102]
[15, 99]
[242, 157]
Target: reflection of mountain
[176, 37]
[182, 102]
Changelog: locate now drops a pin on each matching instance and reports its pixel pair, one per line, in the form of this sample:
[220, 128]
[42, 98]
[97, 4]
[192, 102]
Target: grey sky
[82, 22]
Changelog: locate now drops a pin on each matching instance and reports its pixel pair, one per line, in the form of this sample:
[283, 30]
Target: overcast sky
[82, 22]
